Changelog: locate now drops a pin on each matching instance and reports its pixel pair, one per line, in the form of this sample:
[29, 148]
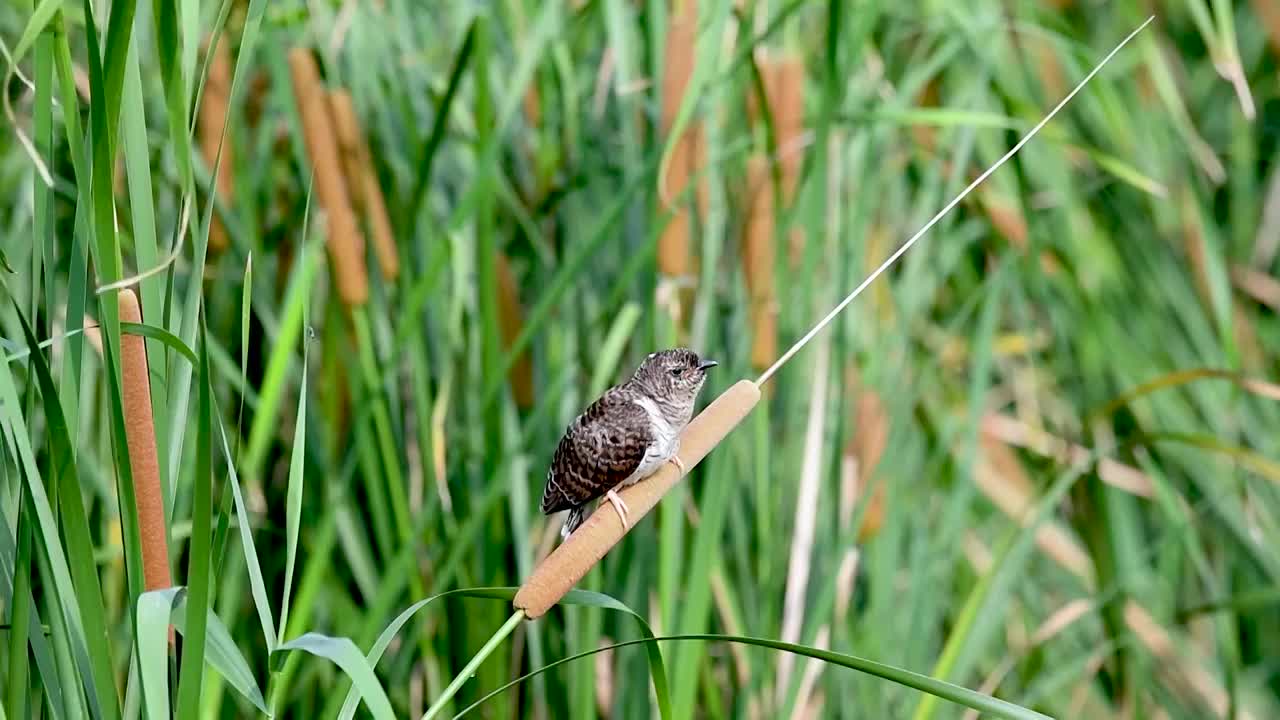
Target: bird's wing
[600, 449]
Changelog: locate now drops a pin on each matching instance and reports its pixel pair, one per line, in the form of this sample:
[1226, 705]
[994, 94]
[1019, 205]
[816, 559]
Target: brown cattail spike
[140, 436]
[511, 322]
[758, 263]
[682, 30]
[384, 239]
[362, 184]
[783, 79]
[569, 562]
[871, 435]
[786, 100]
[344, 125]
[213, 120]
[675, 243]
[346, 246]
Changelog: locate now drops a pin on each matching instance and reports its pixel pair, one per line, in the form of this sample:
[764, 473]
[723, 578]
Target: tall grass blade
[191, 673]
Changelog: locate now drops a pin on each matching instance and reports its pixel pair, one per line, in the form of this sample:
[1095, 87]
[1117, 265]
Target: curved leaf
[945, 690]
[1259, 464]
[344, 653]
[224, 656]
[1182, 377]
[158, 609]
[155, 607]
[575, 597]
[162, 335]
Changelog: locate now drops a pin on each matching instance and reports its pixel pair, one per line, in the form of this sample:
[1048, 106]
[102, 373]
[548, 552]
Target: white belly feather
[666, 441]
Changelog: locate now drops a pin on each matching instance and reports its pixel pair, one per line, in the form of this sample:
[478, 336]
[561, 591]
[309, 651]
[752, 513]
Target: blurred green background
[1038, 458]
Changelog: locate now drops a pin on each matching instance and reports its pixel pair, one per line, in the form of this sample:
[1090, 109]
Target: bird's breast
[664, 433]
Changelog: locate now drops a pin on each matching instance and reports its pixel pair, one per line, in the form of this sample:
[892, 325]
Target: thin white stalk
[806, 510]
[799, 345]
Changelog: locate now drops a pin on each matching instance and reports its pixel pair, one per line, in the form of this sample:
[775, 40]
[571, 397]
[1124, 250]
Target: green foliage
[329, 473]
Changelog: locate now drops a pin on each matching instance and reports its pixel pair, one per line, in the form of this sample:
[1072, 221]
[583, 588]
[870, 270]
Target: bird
[625, 436]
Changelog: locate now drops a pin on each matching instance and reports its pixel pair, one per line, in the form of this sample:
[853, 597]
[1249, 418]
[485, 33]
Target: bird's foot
[613, 498]
[675, 460]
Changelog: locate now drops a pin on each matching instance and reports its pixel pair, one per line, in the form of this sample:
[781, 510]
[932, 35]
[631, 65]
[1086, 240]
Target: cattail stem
[346, 246]
[470, 668]
[569, 562]
[140, 436]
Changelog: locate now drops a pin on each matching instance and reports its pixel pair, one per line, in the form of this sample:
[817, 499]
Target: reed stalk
[470, 669]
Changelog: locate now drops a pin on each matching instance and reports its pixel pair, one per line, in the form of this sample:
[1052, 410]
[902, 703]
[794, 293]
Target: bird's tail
[573, 520]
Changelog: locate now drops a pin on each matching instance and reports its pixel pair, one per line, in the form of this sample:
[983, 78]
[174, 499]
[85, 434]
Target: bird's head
[674, 376]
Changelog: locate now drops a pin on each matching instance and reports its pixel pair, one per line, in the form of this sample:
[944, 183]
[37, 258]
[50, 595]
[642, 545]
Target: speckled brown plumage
[625, 435]
[602, 447]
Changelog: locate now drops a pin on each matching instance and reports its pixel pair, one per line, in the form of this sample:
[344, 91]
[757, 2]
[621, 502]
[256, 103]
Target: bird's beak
[707, 364]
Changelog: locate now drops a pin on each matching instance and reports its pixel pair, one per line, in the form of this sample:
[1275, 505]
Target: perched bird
[624, 436]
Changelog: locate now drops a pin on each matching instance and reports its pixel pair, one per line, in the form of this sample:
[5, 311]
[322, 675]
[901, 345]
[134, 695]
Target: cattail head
[678, 62]
[675, 243]
[362, 182]
[346, 246]
[343, 114]
[758, 262]
[867, 446]
[140, 436]
[787, 107]
[511, 322]
[757, 255]
[783, 79]
[213, 120]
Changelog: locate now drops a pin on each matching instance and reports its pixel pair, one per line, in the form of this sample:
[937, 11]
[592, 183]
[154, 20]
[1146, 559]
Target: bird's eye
[677, 371]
